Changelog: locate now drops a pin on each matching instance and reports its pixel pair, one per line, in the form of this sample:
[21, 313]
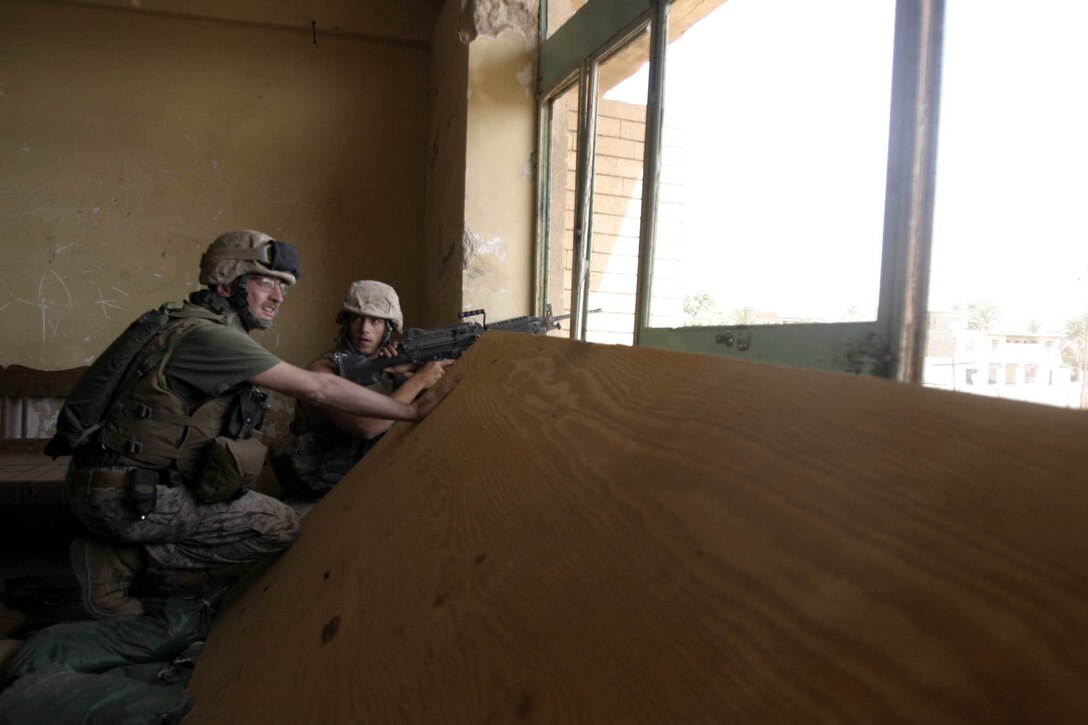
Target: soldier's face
[366, 333]
[264, 296]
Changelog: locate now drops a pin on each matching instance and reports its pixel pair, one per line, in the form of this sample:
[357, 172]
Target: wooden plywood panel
[587, 533]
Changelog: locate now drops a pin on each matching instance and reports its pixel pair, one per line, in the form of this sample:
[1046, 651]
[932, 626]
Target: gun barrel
[569, 314]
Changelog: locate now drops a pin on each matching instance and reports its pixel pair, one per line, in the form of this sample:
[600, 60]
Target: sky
[1012, 183]
[786, 103]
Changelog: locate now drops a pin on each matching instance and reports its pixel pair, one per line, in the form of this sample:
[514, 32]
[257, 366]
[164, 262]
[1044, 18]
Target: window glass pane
[1009, 281]
[559, 243]
[774, 161]
[617, 193]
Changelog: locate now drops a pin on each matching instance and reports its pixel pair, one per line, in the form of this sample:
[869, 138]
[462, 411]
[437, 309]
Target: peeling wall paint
[41, 416]
[488, 277]
[491, 18]
[475, 246]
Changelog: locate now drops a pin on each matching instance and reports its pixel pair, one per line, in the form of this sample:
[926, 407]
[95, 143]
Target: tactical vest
[152, 426]
[317, 454]
[146, 423]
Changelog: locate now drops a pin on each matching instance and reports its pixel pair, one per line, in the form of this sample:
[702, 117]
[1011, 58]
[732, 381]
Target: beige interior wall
[410, 20]
[481, 163]
[500, 174]
[444, 221]
[129, 140]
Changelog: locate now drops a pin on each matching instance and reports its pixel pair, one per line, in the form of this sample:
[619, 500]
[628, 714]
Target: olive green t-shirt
[213, 358]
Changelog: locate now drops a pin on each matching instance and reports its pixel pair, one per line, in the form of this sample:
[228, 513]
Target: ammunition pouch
[246, 416]
[229, 466]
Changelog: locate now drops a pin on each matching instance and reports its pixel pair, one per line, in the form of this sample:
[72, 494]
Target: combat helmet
[238, 253]
[373, 299]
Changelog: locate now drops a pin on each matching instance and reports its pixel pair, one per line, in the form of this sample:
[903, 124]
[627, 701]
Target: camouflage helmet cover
[373, 299]
[234, 254]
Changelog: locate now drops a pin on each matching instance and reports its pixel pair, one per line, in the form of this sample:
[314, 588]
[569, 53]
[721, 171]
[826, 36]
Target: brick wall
[617, 215]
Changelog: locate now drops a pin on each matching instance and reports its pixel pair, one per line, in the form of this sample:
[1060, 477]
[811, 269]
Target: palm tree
[1076, 335]
[982, 314]
[745, 315]
[700, 310]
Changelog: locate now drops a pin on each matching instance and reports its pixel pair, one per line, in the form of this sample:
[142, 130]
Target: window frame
[892, 346]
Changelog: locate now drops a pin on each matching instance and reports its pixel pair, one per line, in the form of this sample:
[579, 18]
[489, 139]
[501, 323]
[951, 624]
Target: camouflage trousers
[184, 534]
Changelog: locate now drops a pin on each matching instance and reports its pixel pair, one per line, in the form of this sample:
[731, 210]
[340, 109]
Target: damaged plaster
[484, 284]
[476, 247]
[490, 18]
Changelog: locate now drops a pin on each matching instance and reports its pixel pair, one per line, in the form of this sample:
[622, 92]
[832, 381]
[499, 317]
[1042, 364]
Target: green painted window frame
[892, 346]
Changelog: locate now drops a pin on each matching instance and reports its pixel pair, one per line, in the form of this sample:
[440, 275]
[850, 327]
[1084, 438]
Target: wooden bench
[31, 400]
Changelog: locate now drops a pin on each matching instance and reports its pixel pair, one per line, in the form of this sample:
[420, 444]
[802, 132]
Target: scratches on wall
[7, 293]
[105, 304]
[60, 281]
[48, 300]
[200, 145]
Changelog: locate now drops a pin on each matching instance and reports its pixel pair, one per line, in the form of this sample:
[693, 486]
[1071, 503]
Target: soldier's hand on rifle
[434, 395]
[429, 373]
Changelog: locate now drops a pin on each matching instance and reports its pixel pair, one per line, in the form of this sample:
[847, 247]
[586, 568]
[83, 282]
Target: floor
[36, 580]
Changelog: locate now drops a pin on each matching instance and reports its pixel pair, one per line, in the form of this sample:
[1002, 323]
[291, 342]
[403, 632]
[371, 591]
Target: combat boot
[105, 572]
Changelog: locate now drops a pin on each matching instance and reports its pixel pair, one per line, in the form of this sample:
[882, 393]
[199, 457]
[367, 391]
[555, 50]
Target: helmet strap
[343, 341]
[240, 302]
[212, 300]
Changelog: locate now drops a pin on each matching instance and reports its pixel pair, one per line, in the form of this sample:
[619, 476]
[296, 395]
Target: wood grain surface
[587, 533]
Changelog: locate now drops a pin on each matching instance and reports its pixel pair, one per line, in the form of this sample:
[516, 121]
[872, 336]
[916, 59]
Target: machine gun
[440, 343]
